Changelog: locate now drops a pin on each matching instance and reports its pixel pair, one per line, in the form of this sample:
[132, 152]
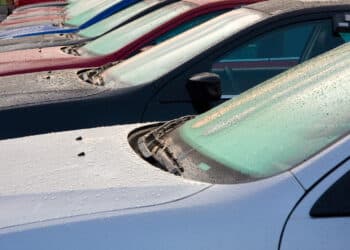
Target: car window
[186, 26]
[92, 12]
[174, 52]
[273, 53]
[335, 201]
[122, 36]
[117, 19]
[280, 123]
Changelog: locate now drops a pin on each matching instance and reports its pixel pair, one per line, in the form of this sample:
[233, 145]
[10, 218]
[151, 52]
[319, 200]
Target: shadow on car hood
[83, 172]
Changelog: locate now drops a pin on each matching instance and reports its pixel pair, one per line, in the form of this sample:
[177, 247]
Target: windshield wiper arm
[93, 76]
[152, 146]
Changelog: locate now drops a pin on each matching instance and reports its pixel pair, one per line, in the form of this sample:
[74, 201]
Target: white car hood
[43, 177]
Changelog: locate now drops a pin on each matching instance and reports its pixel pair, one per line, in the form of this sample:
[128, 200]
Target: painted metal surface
[113, 196]
[33, 31]
[29, 2]
[51, 58]
[330, 232]
[122, 180]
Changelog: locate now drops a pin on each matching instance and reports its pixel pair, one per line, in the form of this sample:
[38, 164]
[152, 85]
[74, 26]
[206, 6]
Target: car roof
[203, 2]
[275, 7]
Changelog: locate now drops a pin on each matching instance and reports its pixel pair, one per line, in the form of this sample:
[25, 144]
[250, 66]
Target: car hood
[83, 172]
[37, 88]
[41, 41]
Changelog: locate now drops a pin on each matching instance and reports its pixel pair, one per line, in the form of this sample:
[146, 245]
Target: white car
[267, 170]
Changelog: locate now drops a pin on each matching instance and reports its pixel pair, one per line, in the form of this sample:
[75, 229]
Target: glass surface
[187, 26]
[115, 20]
[345, 36]
[122, 36]
[272, 53]
[158, 61]
[85, 16]
[280, 123]
[79, 7]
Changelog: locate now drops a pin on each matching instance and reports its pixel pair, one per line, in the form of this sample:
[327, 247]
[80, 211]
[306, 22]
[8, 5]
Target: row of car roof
[150, 56]
[74, 73]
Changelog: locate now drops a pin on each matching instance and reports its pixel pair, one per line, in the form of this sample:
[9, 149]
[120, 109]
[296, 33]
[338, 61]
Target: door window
[272, 53]
[335, 201]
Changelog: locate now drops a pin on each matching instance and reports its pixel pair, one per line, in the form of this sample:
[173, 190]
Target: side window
[335, 201]
[272, 53]
[186, 26]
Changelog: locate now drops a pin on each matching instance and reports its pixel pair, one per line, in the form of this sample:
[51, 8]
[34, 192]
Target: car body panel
[36, 13]
[163, 98]
[42, 41]
[33, 31]
[84, 35]
[119, 199]
[301, 225]
[30, 3]
[47, 25]
[12, 24]
[316, 168]
[35, 61]
[105, 183]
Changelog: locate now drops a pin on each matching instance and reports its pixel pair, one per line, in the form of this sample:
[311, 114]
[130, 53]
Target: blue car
[74, 25]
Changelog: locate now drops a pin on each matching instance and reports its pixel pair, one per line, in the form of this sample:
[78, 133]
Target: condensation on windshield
[118, 18]
[122, 36]
[78, 7]
[91, 12]
[158, 61]
[280, 123]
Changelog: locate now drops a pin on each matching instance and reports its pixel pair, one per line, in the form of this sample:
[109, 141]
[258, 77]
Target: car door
[322, 218]
[248, 64]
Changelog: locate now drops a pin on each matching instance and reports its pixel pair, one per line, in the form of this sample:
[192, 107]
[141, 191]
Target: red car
[26, 2]
[177, 17]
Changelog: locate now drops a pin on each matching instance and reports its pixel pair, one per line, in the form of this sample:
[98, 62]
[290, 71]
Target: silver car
[269, 169]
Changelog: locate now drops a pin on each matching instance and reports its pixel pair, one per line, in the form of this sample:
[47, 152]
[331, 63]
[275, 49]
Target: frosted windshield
[158, 61]
[280, 123]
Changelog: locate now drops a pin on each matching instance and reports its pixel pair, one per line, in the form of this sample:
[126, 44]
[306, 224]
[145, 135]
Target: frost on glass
[158, 61]
[115, 20]
[122, 36]
[79, 7]
[91, 12]
[280, 123]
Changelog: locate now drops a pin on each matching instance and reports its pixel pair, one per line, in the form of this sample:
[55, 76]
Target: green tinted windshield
[158, 61]
[122, 36]
[78, 7]
[117, 19]
[280, 123]
[90, 13]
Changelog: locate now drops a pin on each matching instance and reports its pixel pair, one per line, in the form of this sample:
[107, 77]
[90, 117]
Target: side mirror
[341, 23]
[204, 88]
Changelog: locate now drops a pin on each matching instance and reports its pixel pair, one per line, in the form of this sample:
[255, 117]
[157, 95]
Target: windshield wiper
[93, 76]
[71, 50]
[153, 146]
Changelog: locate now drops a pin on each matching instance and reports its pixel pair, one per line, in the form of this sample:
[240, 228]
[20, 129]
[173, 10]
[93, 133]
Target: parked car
[268, 170]
[132, 13]
[27, 3]
[150, 29]
[81, 21]
[243, 48]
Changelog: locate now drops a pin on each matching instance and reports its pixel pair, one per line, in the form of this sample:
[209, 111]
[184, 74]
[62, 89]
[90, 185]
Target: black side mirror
[204, 88]
[341, 23]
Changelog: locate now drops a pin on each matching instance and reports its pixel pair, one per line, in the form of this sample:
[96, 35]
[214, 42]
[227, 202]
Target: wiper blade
[153, 146]
[93, 76]
[71, 50]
